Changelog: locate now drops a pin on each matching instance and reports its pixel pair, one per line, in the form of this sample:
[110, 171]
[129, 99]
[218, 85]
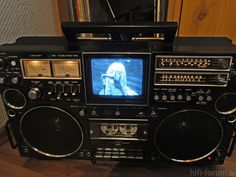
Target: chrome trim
[115, 104]
[95, 38]
[148, 38]
[194, 56]
[115, 138]
[193, 84]
[51, 69]
[232, 121]
[138, 120]
[190, 160]
[124, 53]
[10, 105]
[11, 114]
[45, 153]
[226, 112]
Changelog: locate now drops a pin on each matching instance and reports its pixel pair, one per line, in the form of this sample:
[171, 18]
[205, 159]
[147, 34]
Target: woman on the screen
[115, 81]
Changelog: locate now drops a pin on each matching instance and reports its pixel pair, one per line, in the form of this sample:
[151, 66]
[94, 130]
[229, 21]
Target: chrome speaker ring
[43, 152]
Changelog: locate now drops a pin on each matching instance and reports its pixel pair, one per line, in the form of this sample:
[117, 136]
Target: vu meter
[36, 68]
[66, 69]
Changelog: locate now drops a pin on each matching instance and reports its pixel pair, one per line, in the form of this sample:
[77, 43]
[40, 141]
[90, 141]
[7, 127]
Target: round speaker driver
[51, 131]
[188, 136]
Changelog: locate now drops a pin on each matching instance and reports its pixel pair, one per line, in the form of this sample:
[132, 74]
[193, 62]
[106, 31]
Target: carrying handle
[7, 128]
[121, 32]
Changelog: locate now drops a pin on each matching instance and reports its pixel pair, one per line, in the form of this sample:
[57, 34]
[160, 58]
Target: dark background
[99, 10]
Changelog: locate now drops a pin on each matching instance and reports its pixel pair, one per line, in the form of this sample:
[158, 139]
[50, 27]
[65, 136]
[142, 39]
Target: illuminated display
[37, 68]
[66, 69]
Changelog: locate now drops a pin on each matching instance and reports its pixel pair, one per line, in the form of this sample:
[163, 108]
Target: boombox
[122, 96]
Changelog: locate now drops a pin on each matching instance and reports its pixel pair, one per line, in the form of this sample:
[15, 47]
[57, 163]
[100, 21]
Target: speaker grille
[51, 131]
[188, 136]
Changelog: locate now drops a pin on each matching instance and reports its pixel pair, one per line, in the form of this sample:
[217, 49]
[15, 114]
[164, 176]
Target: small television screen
[117, 76]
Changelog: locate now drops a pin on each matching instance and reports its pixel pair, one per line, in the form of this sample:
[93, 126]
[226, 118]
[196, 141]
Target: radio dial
[34, 93]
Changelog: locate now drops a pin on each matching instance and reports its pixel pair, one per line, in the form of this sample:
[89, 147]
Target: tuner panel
[206, 63]
[192, 79]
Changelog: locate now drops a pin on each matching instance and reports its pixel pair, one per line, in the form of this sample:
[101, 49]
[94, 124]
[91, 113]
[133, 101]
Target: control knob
[156, 97]
[172, 97]
[200, 98]
[15, 80]
[188, 98]
[34, 93]
[82, 113]
[180, 97]
[164, 97]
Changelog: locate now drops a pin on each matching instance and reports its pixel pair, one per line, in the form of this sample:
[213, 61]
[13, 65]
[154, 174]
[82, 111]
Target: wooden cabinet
[204, 17]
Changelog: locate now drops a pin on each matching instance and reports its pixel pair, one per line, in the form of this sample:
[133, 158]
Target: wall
[204, 17]
[27, 18]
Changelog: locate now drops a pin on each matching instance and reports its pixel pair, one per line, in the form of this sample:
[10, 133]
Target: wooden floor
[12, 165]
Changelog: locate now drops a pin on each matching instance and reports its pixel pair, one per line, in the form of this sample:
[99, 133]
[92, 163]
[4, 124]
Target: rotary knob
[201, 98]
[15, 80]
[34, 93]
[156, 97]
[188, 98]
[164, 97]
[82, 113]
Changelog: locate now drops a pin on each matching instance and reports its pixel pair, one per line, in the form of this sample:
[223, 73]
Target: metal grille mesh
[24, 18]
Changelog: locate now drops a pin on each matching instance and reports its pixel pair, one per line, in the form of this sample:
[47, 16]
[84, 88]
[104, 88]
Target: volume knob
[34, 93]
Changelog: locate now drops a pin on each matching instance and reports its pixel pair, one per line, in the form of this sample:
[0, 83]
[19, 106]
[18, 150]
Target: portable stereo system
[120, 97]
